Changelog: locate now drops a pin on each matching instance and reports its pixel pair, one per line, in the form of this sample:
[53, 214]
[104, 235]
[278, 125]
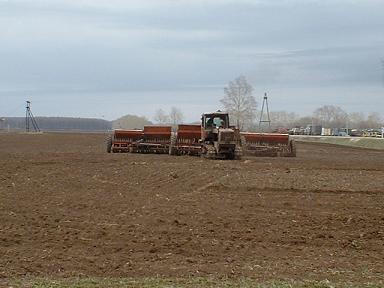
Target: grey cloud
[88, 46]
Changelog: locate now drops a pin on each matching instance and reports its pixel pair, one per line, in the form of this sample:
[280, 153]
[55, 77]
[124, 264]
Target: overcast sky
[108, 58]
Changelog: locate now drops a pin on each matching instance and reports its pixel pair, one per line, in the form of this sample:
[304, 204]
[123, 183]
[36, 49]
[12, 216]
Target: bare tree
[284, 119]
[239, 102]
[176, 116]
[331, 116]
[356, 120]
[161, 117]
[130, 122]
[374, 120]
[304, 121]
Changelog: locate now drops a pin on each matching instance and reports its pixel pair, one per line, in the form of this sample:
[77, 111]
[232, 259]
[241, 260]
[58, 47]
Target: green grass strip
[176, 283]
[368, 143]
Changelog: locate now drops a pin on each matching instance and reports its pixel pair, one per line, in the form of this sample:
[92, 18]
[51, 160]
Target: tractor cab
[211, 123]
[215, 120]
[219, 139]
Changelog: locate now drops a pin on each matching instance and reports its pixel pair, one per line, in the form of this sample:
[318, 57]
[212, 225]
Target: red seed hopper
[186, 141]
[155, 139]
[124, 140]
[267, 144]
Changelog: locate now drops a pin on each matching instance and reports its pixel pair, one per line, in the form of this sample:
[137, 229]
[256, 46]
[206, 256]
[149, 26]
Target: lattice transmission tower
[30, 120]
[262, 118]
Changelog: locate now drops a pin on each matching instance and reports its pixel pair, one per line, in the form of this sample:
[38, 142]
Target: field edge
[176, 282]
[354, 142]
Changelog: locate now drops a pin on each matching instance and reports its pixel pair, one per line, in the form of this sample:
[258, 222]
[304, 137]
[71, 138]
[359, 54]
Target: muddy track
[69, 209]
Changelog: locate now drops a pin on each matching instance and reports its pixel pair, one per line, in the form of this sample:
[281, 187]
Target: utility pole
[382, 69]
[347, 120]
[30, 119]
[268, 119]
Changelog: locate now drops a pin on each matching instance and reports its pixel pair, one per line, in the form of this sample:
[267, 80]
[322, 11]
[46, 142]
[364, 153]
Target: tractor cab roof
[218, 112]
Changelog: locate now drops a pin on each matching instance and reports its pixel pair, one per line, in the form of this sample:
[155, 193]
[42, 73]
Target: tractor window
[216, 121]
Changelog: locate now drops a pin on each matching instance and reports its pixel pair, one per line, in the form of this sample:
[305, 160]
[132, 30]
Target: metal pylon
[268, 119]
[30, 119]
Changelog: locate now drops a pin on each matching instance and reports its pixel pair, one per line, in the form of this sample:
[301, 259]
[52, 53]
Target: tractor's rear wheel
[109, 144]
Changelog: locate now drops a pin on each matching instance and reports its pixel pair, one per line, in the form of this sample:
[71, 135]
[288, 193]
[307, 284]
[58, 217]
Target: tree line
[58, 124]
[240, 103]
[328, 116]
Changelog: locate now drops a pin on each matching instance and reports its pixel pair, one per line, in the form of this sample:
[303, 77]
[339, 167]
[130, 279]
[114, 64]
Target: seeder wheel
[292, 146]
[172, 145]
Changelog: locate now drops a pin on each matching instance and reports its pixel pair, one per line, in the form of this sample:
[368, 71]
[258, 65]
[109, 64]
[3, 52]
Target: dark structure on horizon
[30, 119]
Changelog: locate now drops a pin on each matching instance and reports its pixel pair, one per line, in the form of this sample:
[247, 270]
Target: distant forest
[58, 124]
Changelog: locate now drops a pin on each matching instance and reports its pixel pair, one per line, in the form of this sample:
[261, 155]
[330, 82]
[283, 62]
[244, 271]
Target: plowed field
[67, 208]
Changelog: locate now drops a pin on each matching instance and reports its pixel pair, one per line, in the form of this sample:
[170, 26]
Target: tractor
[219, 140]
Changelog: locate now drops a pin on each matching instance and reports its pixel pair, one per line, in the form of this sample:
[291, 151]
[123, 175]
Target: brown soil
[67, 208]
